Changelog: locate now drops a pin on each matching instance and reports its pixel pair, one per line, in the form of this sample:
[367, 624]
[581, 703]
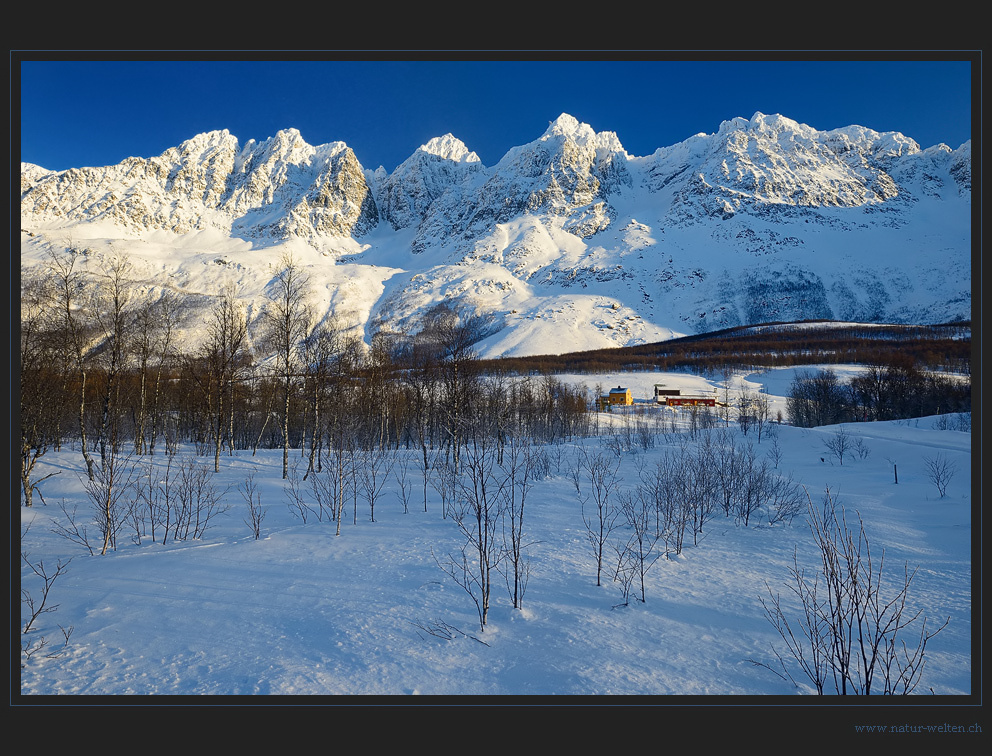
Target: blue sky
[87, 112]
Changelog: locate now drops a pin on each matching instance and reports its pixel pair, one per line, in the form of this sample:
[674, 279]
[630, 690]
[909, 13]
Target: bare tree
[222, 352]
[746, 410]
[940, 470]
[816, 398]
[328, 487]
[724, 410]
[784, 499]
[69, 282]
[151, 487]
[198, 501]
[114, 312]
[730, 464]
[839, 444]
[374, 465]
[640, 547]
[701, 490]
[40, 403]
[335, 480]
[807, 639]
[444, 480]
[287, 319]
[850, 631]
[666, 487]
[373, 394]
[401, 473]
[264, 391]
[36, 607]
[327, 361]
[599, 510]
[762, 413]
[112, 480]
[151, 340]
[448, 336]
[478, 518]
[162, 498]
[298, 504]
[755, 485]
[625, 570]
[775, 453]
[253, 499]
[861, 448]
[142, 345]
[517, 466]
[166, 312]
[421, 387]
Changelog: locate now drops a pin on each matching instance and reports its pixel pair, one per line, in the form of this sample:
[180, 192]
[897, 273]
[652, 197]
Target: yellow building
[621, 396]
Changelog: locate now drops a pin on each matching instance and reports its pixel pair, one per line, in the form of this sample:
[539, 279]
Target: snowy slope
[303, 612]
[568, 242]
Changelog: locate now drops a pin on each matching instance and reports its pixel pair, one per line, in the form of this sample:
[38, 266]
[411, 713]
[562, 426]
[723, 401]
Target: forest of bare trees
[893, 391]
[102, 371]
[940, 347]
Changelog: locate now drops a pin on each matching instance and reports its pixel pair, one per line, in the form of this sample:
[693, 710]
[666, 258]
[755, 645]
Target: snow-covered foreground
[302, 611]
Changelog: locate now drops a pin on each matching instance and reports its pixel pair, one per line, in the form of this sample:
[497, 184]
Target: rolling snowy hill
[567, 243]
[302, 612]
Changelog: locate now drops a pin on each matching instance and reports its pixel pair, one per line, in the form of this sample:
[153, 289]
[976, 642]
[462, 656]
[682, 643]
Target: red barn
[675, 398]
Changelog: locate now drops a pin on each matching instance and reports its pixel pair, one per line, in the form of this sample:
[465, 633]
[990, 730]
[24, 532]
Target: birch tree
[39, 399]
[113, 306]
[852, 625]
[478, 517]
[287, 319]
[227, 332]
[517, 464]
[599, 510]
[69, 282]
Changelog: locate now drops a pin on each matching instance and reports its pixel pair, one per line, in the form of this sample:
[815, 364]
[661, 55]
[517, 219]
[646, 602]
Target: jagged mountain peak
[567, 242]
[564, 133]
[287, 145]
[846, 138]
[449, 147]
[881, 144]
[409, 194]
[569, 126]
[582, 134]
[749, 164]
[769, 125]
[215, 138]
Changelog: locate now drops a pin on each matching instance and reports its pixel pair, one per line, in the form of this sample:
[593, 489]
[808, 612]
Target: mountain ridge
[566, 241]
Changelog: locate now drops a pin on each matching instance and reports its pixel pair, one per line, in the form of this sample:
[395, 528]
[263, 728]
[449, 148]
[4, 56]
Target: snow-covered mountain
[567, 243]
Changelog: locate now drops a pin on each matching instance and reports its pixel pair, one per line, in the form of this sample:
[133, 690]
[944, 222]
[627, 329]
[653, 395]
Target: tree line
[943, 347]
[103, 368]
[892, 391]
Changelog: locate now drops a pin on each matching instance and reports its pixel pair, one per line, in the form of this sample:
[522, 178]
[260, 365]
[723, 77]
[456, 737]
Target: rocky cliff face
[280, 188]
[765, 219]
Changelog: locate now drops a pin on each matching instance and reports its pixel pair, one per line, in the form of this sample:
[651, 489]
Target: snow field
[369, 613]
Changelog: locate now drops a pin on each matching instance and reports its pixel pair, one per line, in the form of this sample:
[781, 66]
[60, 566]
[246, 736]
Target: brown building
[675, 398]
